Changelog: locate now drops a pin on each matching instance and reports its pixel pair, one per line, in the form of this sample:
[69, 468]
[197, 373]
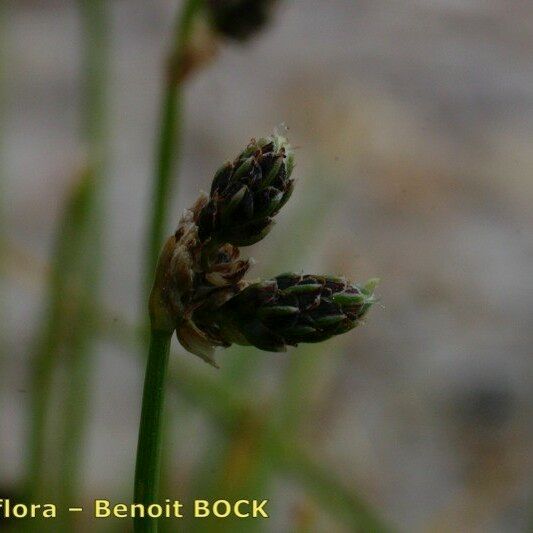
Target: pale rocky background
[414, 126]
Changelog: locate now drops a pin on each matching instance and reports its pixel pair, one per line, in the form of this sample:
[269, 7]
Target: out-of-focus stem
[78, 355]
[168, 149]
[287, 455]
[56, 322]
[3, 351]
[66, 333]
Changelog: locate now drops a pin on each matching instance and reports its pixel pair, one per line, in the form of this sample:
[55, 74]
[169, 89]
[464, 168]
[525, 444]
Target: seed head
[199, 289]
[247, 193]
[287, 310]
[239, 19]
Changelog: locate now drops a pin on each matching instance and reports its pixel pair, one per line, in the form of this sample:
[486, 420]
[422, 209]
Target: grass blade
[66, 335]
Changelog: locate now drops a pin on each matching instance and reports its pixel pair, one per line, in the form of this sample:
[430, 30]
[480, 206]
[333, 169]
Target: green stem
[168, 143]
[3, 295]
[56, 322]
[227, 406]
[66, 332]
[79, 339]
[147, 469]
[168, 148]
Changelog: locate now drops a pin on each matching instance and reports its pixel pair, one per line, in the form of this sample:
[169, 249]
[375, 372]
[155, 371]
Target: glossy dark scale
[222, 178]
[286, 280]
[326, 307]
[240, 19]
[206, 221]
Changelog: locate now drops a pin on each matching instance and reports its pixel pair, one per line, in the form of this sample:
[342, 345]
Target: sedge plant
[200, 293]
[201, 27]
[65, 338]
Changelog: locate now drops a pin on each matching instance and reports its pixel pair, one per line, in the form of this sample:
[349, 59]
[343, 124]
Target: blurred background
[413, 127]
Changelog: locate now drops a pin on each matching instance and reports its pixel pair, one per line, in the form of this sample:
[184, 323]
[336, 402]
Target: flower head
[239, 19]
[199, 290]
[247, 193]
[288, 310]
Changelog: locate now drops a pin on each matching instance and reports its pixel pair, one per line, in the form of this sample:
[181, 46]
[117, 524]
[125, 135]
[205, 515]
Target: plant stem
[57, 320]
[168, 147]
[147, 469]
[66, 333]
[78, 339]
[168, 143]
[3, 315]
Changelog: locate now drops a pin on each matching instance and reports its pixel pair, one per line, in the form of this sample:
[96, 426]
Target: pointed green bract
[370, 285]
[311, 288]
[349, 299]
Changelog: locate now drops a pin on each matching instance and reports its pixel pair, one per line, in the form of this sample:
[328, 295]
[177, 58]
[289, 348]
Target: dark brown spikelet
[200, 291]
[288, 310]
[247, 193]
[240, 19]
